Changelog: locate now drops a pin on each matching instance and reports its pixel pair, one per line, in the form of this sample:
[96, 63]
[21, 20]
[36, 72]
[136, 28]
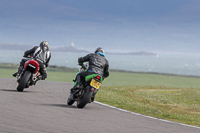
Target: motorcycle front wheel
[24, 80]
[70, 100]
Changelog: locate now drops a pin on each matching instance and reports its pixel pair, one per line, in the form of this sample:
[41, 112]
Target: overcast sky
[115, 25]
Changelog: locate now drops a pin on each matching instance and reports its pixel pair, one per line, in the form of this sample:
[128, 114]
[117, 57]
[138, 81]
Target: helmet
[100, 51]
[44, 45]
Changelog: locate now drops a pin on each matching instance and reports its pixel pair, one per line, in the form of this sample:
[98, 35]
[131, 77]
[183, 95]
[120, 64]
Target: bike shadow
[60, 105]
[16, 91]
[8, 90]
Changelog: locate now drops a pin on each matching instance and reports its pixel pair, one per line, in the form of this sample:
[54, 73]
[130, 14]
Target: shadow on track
[17, 91]
[60, 105]
[8, 90]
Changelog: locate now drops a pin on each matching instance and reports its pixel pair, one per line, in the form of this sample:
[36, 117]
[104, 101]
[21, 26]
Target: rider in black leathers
[41, 54]
[98, 64]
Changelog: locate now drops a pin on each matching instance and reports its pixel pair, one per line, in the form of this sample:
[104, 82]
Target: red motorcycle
[29, 74]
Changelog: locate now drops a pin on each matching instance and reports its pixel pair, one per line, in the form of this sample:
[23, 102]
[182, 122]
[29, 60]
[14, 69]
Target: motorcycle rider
[98, 64]
[42, 55]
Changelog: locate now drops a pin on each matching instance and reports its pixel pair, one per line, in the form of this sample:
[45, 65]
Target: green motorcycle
[87, 91]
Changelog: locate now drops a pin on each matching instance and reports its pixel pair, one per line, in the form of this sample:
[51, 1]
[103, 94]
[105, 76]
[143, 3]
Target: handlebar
[84, 67]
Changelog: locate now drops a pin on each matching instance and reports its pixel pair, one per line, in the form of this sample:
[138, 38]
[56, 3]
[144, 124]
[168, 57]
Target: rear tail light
[98, 77]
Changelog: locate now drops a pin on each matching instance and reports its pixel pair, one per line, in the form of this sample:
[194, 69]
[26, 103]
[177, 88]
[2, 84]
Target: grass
[171, 103]
[125, 78]
[61, 74]
[175, 98]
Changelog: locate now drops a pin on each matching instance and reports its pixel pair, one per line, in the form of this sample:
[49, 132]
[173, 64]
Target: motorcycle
[29, 74]
[87, 91]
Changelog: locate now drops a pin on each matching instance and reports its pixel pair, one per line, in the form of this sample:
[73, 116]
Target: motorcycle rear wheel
[85, 98]
[24, 80]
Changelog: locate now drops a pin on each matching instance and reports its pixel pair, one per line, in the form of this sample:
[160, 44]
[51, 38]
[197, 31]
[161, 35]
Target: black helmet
[44, 45]
[100, 51]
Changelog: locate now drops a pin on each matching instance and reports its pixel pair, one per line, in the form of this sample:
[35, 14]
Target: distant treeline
[68, 69]
[50, 68]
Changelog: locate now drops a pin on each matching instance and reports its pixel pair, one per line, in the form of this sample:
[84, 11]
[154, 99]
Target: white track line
[145, 115]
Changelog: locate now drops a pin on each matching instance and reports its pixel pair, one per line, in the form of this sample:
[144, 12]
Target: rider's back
[97, 63]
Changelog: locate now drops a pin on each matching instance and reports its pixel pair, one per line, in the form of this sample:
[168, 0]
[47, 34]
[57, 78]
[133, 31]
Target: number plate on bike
[95, 84]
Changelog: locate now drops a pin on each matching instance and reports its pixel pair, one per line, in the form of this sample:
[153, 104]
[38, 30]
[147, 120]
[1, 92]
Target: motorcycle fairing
[33, 65]
[89, 77]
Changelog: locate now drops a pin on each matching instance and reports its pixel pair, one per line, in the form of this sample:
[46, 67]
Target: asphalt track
[43, 109]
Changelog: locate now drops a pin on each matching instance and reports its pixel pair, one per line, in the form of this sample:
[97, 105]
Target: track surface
[43, 108]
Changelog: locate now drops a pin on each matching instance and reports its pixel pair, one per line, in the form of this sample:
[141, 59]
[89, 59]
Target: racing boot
[77, 83]
[18, 72]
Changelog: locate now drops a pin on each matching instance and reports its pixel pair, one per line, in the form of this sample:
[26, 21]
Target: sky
[115, 25]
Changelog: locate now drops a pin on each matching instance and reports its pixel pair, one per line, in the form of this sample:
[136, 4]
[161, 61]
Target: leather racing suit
[42, 57]
[98, 64]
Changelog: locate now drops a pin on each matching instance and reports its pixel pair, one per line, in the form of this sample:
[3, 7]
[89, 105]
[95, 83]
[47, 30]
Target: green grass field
[175, 98]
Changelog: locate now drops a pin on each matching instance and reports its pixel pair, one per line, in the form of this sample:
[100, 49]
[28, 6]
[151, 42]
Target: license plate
[95, 84]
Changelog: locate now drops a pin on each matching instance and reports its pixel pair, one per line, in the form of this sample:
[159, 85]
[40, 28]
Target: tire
[70, 101]
[85, 99]
[24, 81]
